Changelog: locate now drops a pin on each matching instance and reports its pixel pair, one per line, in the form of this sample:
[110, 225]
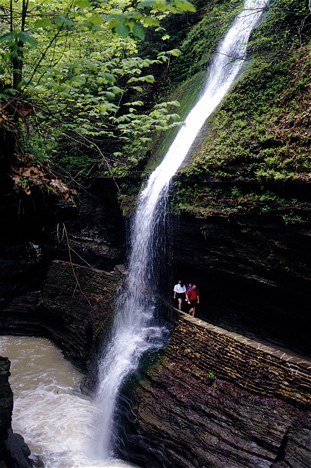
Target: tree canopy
[76, 64]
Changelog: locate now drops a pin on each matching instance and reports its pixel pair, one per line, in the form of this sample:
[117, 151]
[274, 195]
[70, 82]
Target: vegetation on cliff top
[255, 156]
[255, 153]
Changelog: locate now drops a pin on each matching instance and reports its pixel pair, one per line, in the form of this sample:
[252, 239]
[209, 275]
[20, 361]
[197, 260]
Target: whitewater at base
[50, 411]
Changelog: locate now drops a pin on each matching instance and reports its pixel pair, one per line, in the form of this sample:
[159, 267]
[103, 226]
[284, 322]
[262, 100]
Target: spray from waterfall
[134, 331]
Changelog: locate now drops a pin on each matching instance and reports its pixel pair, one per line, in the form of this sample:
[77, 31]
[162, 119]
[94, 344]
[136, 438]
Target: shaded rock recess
[53, 283]
[253, 273]
[74, 310]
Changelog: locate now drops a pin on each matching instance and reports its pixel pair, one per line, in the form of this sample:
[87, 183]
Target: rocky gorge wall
[229, 403]
[6, 405]
[253, 273]
[212, 400]
[14, 452]
[53, 284]
[64, 260]
[217, 399]
[74, 309]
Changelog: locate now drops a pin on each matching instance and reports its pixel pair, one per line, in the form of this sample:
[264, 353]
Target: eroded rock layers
[216, 399]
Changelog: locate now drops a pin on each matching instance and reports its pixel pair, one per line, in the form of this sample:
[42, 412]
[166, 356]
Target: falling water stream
[134, 329]
[68, 438]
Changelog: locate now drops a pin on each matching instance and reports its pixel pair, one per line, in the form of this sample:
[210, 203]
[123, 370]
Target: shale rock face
[96, 234]
[13, 450]
[216, 399]
[55, 278]
[253, 273]
[61, 300]
[76, 309]
[89, 233]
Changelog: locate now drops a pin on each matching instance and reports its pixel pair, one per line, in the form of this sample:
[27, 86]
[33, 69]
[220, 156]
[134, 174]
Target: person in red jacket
[193, 297]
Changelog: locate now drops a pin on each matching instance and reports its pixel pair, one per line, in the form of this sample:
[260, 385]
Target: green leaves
[109, 78]
[62, 20]
[164, 5]
[26, 37]
[146, 4]
[138, 32]
[83, 3]
[122, 30]
[147, 79]
[16, 36]
[131, 22]
[127, 23]
[78, 62]
[8, 37]
[184, 5]
[42, 23]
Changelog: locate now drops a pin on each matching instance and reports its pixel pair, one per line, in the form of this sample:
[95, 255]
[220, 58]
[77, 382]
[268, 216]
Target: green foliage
[77, 64]
[260, 136]
[187, 95]
[201, 41]
[202, 201]
[285, 25]
[261, 131]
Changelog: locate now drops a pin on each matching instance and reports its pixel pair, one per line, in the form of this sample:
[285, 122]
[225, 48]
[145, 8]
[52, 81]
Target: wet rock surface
[76, 308]
[53, 283]
[90, 233]
[53, 263]
[14, 452]
[207, 402]
[96, 235]
[218, 400]
[253, 273]
[6, 404]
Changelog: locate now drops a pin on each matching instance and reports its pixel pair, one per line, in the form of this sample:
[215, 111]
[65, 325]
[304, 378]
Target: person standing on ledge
[193, 297]
[179, 293]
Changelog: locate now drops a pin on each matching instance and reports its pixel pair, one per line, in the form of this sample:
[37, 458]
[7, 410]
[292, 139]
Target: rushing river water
[50, 412]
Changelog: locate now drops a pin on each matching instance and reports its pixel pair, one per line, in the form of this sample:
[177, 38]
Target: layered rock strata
[253, 273]
[61, 300]
[76, 309]
[201, 405]
[6, 405]
[217, 399]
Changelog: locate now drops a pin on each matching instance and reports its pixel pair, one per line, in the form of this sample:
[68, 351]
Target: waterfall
[134, 331]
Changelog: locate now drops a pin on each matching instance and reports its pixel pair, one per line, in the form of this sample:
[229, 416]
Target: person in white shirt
[179, 293]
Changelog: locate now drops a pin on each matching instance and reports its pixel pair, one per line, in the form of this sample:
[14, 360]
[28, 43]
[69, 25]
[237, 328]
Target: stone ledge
[285, 356]
[251, 365]
[216, 398]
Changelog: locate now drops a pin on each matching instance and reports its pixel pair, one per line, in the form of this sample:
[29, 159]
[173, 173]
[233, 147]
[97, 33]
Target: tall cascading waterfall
[134, 330]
